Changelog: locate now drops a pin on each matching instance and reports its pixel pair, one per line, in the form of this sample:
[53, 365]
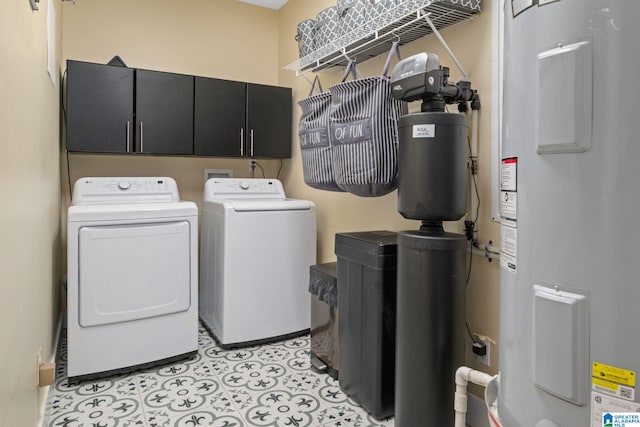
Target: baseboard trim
[54, 354]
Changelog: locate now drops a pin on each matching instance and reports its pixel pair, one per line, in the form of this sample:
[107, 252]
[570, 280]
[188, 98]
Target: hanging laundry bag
[364, 132]
[352, 16]
[315, 147]
[327, 26]
[306, 37]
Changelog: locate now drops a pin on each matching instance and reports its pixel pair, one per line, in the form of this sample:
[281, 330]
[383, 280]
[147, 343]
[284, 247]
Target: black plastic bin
[367, 311]
[323, 287]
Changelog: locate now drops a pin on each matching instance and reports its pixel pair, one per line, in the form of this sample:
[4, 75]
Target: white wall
[30, 212]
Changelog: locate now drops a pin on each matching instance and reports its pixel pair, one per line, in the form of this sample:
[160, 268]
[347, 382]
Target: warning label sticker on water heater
[509, 213]
[508, 246]
[509, 188]
[613, 380]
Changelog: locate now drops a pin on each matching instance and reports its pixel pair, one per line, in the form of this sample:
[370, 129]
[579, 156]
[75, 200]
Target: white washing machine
[256, 247]
[132, 274]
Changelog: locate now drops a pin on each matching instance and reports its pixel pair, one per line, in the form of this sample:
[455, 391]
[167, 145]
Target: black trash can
[323, 287]
[367, 311]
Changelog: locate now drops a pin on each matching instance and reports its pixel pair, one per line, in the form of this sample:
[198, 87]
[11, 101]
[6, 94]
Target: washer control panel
[124, 190]
[234, 188]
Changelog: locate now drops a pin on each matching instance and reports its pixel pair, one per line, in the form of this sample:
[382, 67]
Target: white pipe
[464, 375]
[486, 250]
[485, 253]
[488, 247]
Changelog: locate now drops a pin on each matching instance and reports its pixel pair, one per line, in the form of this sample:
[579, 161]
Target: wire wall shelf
[373, 38]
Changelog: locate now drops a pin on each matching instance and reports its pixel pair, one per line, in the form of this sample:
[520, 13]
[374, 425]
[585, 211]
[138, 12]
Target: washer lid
[115, 190]
[133, 211]
[256, 205]
[243, 189]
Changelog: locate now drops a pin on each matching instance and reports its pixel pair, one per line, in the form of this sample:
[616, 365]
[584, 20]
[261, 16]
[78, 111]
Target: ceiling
[271, 4]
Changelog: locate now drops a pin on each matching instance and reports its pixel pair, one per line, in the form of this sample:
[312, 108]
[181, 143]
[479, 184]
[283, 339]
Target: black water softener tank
[432, 166]
[430, 315]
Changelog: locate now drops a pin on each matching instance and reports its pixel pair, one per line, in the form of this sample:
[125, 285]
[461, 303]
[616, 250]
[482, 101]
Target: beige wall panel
[30, 214]
[222, 38]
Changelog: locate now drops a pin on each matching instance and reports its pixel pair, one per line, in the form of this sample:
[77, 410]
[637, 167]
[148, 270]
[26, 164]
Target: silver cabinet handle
[242, 142]
[141, 137]
[128, 137]
[251, 142]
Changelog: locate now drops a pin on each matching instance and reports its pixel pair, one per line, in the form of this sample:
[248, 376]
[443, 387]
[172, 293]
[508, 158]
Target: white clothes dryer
[256, 247]
[132, 284]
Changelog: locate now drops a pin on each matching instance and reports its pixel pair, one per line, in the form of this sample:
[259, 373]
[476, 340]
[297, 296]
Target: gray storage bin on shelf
[352, 16]
[367, 310]
[381, 7]
[306, 37]
[407, 6]
[327, 26]
[388, 20]
[323, 287]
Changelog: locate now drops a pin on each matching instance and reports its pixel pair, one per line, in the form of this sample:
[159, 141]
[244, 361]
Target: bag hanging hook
[350, 67]
[316, 81]
[395, 48]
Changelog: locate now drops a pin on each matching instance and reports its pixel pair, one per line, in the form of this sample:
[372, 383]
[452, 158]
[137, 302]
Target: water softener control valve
[416, 77]
[421, 77]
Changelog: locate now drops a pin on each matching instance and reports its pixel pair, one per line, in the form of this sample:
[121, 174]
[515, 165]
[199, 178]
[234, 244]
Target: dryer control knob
[244, 185]
[124, 185]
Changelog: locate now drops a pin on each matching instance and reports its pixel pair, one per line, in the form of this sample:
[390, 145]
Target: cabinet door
[164, 113]
[269, 121]
[219, 117]
[99, 114]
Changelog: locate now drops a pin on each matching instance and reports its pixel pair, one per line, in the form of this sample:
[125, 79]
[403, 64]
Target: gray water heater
[569, 348]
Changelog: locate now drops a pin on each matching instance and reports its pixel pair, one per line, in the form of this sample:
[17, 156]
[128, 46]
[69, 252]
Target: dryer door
[130, 272]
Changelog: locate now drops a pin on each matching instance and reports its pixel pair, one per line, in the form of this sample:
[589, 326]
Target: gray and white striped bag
[364, 132]
[315, 148]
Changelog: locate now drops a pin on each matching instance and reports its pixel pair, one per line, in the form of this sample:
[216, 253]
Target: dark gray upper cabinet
[241, 119]
[164, 113]
[219, 117]
[123, 110]
[99, 112]
[268, 121]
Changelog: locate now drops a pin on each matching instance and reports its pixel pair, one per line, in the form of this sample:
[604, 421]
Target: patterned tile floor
[269, 385]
